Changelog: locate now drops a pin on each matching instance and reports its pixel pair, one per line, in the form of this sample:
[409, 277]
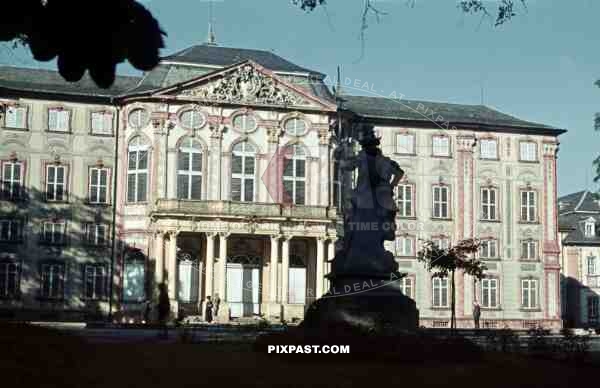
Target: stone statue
[364, 281]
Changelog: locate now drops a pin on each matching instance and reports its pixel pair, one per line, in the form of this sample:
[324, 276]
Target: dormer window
[590, 228]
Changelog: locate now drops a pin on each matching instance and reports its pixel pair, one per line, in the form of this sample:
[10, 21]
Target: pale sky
[540, 67]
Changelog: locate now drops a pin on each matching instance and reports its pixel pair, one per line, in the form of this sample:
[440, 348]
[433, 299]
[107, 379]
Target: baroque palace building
[218, 174]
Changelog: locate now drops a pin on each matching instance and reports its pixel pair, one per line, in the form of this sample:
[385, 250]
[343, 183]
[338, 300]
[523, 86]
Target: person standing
[208, 310]
[217, 303]
[476, 313]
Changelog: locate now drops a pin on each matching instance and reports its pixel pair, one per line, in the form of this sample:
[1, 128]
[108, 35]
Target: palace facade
[217, 173]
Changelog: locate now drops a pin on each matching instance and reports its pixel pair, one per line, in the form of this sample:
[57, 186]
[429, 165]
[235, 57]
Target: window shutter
[249, 190]
[300, 193]
[236, 189]
[63, 120]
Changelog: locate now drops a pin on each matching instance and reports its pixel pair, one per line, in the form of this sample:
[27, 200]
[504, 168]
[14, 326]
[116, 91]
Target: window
[11, 230]
[528, 151]
[441, 145]
[15, 117]
[529, 293]
[441, 202]
[489, 292]
[404, 246]
[407, 286]
[137, 171]
[441, 242]
[294, 177]
[591, 265]
[9, 280]
[138, 118]
[243, 172]
[58, 119]
[187, 278]
[405, 144]
[528, 206]
[96, 234]
[405, 200]
[95, 281]
[488, 249]
[189, 170]
[244, 123]
[489, 204]
[592, 305]
[529, 250]
[192, 119]
[12, 179]
[440, 292]
[488, 148]
[56, 182]
[102, 123]
[134, 277]
[54, 232]
[98, 185]
[590, 229]
[337, 184]
[53, 281]
[295, 126]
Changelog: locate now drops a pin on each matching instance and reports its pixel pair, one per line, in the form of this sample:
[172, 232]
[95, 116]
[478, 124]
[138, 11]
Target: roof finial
[211, 39]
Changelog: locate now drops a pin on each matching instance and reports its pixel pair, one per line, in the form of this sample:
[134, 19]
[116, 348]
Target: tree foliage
[91, 35]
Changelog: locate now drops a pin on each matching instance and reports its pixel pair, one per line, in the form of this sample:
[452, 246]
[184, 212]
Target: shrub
[538, 343]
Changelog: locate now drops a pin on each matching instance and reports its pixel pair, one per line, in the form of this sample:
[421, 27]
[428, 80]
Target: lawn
[36, 357]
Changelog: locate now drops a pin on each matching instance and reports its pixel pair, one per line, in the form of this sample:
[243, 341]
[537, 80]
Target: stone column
[273, 271]
[285, 267]
[330, 256]
[172, 271]
[209, 275]
[320, 267]
[159, 260]
[223, 314]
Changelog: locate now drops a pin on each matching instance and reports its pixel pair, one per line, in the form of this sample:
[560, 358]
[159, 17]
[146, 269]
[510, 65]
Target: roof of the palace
[225, 56]
[573, 210]
[50, 81]
[440, 114]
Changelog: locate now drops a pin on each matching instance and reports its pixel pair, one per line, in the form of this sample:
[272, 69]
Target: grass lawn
[36, 357]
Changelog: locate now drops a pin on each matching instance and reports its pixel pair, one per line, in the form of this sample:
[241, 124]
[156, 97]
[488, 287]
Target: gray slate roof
[573, 210]
[50, 81]
[439, 112]
[225, 56]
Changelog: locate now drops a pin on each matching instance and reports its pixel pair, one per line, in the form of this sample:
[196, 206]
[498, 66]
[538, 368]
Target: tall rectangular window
[407, 286]
[53, 281]
[98, 185]
[441, 145]
[56, 182]
[95, 281]
[58, 120]
[488, 249]
[528, 206]
[440, 292]
[405, 246]
[529, 293]
[294, 177]
[243, 171]
[54, 232]
[12, 179]
[405, 144]
[137, 171]
[9, 280]
[102, 123]
[441, 202]
[96, 234]
[489, 292]
[593, 302]
[528, 151]
[337, 185]
[529, 249]
[591, 265]
[405, 200]
[488, 148]
[11, 230]
[15, 117]
[489, 204]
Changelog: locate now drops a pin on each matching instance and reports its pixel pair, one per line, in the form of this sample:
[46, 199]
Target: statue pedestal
[363, 301]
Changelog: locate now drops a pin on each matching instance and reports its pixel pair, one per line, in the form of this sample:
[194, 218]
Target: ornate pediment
[248, 85]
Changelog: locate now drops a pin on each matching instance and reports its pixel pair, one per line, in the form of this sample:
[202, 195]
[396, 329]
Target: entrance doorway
[243, 285]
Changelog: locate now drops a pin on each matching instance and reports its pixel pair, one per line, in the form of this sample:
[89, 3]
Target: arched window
[192, 119]
[189, 170]
[134, 277]
[294, 176]
[244, 122]
[243, 172]
[295, 126]
[137, 170]
[138, 118]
